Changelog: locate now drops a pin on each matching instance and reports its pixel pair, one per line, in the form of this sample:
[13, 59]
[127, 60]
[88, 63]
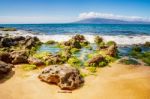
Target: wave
[119, 39]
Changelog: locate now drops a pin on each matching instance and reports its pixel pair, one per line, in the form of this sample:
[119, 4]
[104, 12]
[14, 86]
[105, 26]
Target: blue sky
[54, 11]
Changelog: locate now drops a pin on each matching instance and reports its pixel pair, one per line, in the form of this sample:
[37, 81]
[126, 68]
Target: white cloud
[111, 16]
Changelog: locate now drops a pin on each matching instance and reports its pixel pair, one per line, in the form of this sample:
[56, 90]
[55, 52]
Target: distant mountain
[108, 21]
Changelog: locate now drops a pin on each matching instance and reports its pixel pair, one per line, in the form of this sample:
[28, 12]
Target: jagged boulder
[31, 42]
[19, 56]
[7, 42]
[19, 41]
[35, 61]
[4, 69]
[112, 50]
[54, 59]
[63, 76]
[96, 60]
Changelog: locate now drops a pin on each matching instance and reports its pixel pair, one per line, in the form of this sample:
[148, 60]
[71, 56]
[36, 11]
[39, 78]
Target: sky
[63, 11]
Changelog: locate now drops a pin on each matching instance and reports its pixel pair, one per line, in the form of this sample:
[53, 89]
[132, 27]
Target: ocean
[123, 34]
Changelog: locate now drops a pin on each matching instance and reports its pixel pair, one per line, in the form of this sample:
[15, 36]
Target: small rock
[96, 59]
[4, 69]
[35, 61]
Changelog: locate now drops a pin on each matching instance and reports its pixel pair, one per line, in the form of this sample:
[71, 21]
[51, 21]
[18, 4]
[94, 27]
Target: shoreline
[122, 40]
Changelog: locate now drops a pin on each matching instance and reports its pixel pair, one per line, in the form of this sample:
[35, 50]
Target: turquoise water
[105, 29]
[49, 48]
[83, 53]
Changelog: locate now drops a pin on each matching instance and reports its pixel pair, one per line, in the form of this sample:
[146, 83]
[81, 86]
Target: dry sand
[115, 82]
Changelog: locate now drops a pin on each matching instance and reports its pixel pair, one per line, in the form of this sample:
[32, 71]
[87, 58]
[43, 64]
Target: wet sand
[112, 82]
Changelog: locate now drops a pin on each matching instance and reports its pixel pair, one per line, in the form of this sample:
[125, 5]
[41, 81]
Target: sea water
[122, 34]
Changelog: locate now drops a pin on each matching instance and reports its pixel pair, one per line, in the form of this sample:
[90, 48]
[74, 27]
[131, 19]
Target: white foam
[119, 39]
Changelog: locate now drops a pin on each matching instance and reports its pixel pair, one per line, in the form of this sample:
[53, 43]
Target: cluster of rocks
[110, 47]
[19, 42]
[15, 50]
[63, 76]
[77, 41]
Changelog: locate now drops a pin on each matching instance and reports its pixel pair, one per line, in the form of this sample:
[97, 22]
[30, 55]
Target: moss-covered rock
[112, 51]
[8, 29]
[129, 61]
[110, 43]
[74, 50]
[51, 42]
[42, 55]
[98, 40]
[147, 44]
[28, 67]
[136, 48]
[97, 61]
[77, 41]
[74, 61]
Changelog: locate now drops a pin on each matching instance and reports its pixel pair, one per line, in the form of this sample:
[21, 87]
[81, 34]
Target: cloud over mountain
[87, 15]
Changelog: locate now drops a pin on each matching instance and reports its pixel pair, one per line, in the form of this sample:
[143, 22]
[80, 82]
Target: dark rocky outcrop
[7, 42]
[4, 69]
[19, 41]
[63, 76]
[35, 61]
[5, 56]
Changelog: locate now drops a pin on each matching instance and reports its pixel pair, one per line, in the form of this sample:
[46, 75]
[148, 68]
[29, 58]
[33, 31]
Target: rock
[63, 76]
[35, 61]
[129, 61]
[147, 44]
[4, 69]
[77, 41]
[96, 59]
[31, 42]
[54, 59]
[112, 51]
[19, 38]
[19, 56]
[98, 40]
[19, 41]
[78, 38]
[136, 48]
[7, 42]
[5, 56]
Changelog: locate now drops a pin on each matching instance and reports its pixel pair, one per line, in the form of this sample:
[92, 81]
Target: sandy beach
[112, 82]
